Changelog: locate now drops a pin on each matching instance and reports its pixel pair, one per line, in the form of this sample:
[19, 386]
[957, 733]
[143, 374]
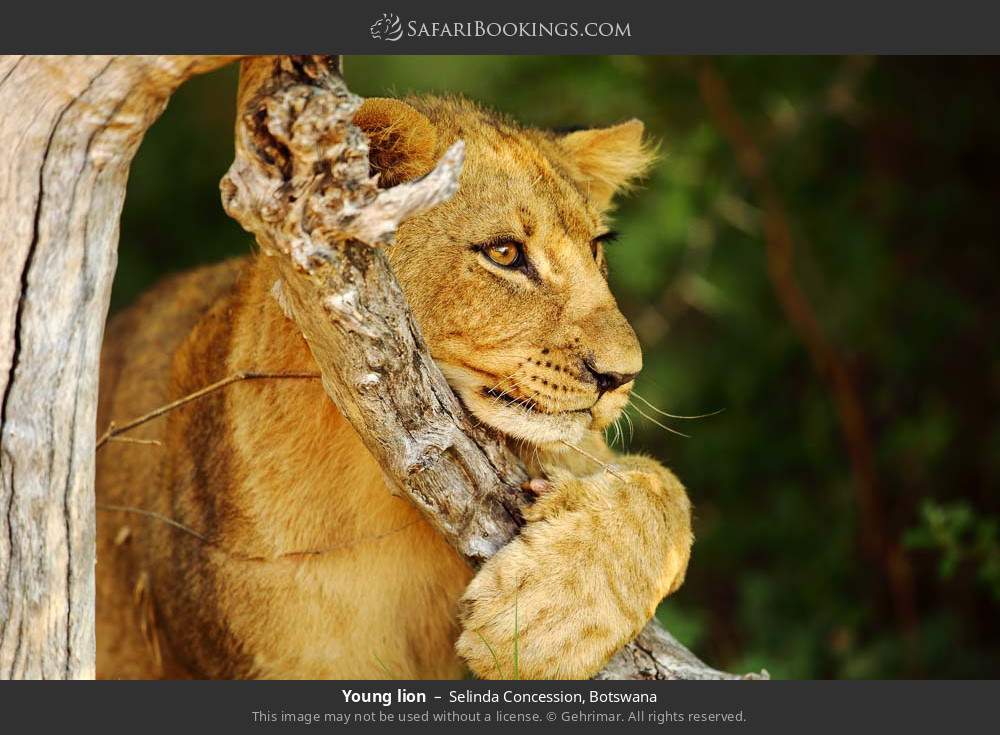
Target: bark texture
[69, 128]
[300, 183]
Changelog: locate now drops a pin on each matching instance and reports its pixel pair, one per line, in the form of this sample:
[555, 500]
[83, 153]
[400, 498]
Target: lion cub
[508, 283]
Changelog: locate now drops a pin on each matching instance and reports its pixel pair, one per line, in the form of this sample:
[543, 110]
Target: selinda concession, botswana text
[509, 695]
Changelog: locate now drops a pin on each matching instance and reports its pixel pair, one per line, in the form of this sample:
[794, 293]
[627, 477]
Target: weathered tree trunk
[300, 183]
[69, 127]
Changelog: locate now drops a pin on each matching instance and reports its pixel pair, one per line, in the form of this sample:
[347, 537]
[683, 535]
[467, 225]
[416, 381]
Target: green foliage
[961, 537]
[887, 170]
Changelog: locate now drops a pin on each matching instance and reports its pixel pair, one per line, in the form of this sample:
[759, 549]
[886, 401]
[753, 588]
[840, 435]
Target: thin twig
[131, 440]
[153, 514]
[114, 429]
[245, 557]
[604, 465]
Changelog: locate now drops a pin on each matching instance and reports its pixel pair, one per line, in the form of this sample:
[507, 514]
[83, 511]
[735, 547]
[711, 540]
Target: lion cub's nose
[609, 380]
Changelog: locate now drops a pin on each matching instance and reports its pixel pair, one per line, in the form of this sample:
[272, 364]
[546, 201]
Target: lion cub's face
[508, 278]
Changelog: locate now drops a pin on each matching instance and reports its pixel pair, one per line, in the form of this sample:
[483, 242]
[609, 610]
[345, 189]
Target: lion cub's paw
[582, 578]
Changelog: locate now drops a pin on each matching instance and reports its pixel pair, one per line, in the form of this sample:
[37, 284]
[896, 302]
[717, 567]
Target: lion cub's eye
[505, 254]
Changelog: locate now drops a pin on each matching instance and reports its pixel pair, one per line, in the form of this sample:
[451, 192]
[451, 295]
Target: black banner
[515, 27]
[410, 706]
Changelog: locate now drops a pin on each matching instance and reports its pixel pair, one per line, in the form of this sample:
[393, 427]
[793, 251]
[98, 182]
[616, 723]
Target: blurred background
[816, 254]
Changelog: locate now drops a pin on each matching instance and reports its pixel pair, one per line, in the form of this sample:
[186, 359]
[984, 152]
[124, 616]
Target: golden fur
[264, 470]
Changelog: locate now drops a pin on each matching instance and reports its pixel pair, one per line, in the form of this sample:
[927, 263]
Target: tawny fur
[266, 469]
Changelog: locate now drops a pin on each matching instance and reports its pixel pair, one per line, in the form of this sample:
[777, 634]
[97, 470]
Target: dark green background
[885, 172]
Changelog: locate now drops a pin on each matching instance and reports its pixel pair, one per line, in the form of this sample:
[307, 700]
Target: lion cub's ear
[608, 160]
[402, 140]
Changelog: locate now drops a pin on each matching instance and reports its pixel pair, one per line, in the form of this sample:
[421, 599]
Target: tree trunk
[69, 128]
[300, 183]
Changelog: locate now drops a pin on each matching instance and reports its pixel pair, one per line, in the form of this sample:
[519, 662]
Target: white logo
[387, 28]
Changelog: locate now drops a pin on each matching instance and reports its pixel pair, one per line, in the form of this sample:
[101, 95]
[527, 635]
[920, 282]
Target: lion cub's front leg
[598, 554]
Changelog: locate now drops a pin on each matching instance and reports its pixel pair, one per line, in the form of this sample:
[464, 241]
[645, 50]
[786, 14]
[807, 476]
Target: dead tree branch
[69, 128]
[300, 183]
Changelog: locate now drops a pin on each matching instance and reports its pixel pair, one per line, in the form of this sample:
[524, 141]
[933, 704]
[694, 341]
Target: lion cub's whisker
[508, 378]
[619, 431]
[500, 399]
[514, 384]
[654, 421]
[631, 426]
[675, 416]
[616, 433]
